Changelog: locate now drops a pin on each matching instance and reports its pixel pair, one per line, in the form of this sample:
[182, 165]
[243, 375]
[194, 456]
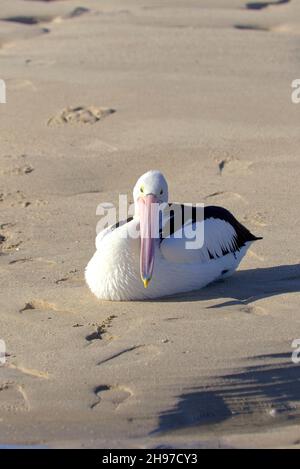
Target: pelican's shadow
[246, 286]
[256, 391]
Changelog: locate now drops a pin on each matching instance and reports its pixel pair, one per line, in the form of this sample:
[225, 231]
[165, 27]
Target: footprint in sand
[113, 396]
[4, 235]
[80, 115]
[18, 199]
[2, 240]
[15, 166]
[14, 199]
[100, 330]
[73, 276]
[13, 398]
[17, 170]
[10, 242]
[233, 165]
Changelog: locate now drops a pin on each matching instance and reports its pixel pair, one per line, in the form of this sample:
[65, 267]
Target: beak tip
[146, 282]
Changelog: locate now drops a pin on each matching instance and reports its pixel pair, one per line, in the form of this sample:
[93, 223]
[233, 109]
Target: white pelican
[122, 266]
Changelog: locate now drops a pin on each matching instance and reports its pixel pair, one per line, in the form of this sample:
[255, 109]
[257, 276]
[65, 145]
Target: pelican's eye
[161, 192]
[142, 189]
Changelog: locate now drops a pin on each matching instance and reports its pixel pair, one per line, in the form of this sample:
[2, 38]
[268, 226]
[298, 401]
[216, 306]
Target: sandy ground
[202, 91]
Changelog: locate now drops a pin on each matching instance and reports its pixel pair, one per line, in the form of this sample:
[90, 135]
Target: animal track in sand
[72, 275]
[2, 243]
[113, 396]
[13, 398]
[14, 199]
[100, 329]
[4, 237]
[233, 165]
[10, 242]
[15, 165]
[80, 115]
[17, 170]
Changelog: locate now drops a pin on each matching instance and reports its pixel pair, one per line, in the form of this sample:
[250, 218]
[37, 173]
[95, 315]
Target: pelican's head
[150, 190]
[151, 183]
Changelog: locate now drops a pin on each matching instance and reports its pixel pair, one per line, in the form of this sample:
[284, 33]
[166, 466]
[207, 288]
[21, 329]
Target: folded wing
[218, 229]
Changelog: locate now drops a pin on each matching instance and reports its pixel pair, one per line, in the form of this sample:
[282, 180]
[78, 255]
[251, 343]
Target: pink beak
[149, 229]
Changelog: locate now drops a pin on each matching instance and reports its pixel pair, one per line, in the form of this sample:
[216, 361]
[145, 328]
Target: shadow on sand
[264, 394]
[267, 393]
[246, 286]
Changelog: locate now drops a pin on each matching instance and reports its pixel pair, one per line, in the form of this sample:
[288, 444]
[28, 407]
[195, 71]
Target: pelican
[157, 262]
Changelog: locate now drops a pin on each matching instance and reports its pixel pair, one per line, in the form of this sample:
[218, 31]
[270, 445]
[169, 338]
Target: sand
[202, 91]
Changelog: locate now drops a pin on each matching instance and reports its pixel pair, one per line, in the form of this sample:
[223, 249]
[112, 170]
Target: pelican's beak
[149, 229]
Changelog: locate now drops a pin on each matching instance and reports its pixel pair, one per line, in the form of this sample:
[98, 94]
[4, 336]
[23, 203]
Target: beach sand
[202, 91]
